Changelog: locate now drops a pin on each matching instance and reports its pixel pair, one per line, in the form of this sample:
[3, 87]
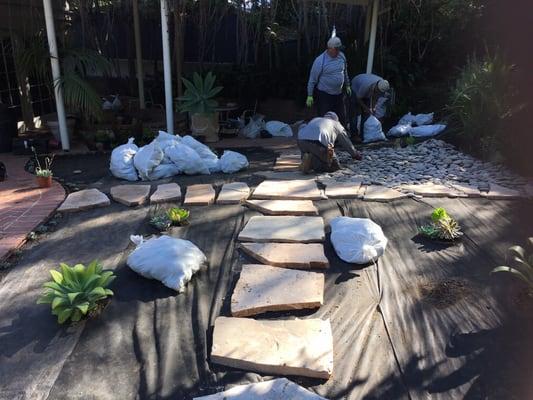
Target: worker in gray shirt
[328, 77]
[316, 141]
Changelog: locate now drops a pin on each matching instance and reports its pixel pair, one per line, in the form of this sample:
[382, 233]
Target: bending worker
[328, 77]
[316, 141]
[369, 94]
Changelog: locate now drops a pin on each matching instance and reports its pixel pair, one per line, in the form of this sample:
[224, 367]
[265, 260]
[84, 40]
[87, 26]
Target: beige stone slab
[277, 389]
[342, 190]
[283, 207]
[361, 191]
[263, 288]
[382, 194]
[288, 255]
[287, 175]
[131, 195]
[165, 193]
[303, 189]
[283, 229]
[287, 347]
[431, 190]
[467, 190]
[233, 193]
[199, 195]
[498, 192]
[84, 200]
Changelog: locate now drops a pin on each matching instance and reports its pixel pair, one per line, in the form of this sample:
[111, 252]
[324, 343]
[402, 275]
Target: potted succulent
[198, 101]
[442, 227]
[44, 175]
[178, 216]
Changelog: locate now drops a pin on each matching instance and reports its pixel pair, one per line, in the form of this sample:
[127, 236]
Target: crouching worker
[316, 141]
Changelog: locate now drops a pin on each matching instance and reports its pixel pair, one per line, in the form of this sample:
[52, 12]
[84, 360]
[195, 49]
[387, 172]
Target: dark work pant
[319, 156]
[355, 111]
[330, 102]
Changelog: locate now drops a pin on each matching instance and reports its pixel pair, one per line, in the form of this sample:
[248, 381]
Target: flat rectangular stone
[277, 389]
[288, 347]
[165, 193]
[288, 255]
[263, 288]
[431, 190]
[304, 189]
[233, 193]
[131, 195]
[342, 190]
[287, 175]
[200, 195]
[467, 190]
[84, 200]
[284, 229]
[382, 194]
[498, 192]
[283, 207]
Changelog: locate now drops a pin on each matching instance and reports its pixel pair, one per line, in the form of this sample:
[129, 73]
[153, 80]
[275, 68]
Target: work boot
[305, 166]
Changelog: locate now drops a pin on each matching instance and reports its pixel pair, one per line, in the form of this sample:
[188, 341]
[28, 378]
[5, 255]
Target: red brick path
[23, 205]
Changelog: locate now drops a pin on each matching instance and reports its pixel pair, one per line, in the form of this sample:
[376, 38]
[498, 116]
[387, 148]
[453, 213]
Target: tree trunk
[179, 25]
[23, 85]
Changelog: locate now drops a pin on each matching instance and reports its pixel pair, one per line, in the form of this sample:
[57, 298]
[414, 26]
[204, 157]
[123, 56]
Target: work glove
[309, 101]
[349, 90]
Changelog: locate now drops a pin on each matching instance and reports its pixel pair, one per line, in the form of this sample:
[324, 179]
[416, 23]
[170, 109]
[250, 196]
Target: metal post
[138, 53]
[166, 67]
[372, 42]
[56, 73]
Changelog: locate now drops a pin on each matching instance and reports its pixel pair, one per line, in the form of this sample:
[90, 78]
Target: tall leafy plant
[199, 94]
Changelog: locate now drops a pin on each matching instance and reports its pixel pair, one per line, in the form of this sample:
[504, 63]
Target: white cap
[331, 115]
[383, 85]
[334, 43]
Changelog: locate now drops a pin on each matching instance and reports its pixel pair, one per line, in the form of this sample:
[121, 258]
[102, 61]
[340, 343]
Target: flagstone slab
[497, 192]
[382, 194]
[263, 288]
[277, 389]
[199, 195]
[286, 175]
[84, 200]
[165, 193]
[288, 255]
[467, 190]
[131, 195]
[288, 347]
[285, 229]
[342, 190]
[283, 207]
[431, 190]
[303, 189]
[233, 193]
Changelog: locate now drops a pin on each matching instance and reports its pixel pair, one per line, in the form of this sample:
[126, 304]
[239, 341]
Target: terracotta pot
[44, 181]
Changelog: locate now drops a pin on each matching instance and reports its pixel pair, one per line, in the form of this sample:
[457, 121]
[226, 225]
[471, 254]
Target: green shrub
[75, 291]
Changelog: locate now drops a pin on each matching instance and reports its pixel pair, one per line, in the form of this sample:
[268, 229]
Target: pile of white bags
[169, 155]
[419, 125]
[169, 260]
[372, 130]
[278, 128]
[357, 240]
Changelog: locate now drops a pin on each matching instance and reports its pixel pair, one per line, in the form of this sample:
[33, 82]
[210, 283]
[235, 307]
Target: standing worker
[328, 77]
[369, 96]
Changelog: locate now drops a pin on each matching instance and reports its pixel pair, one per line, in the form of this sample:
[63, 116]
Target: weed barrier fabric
[392, 322]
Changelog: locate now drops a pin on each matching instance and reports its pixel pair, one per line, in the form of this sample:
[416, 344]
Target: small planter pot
[44, 181]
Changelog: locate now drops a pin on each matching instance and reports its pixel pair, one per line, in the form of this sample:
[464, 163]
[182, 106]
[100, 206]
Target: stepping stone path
[84, 200]
[498, 192]
[166, 192]
[286, 229]
[287, 347]
[287, 175]
[199, 195]
[288, 190]
[382, 194]
[283, 207]
[467, 190]
[233, 193]
[130, 195]
[342, 190]
[263, 288]
[431, 190]
[288, 162]
[288, 255]
[277, 389]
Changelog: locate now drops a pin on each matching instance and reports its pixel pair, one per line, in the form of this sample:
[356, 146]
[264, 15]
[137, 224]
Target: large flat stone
[287, 175]
[288, 162]
[285, 229]
[498, 192]
[342, 190]
[467, 190]
[263, 288]
[382, 194]
[130, 195]
[283, 207]
[277, 389]
[165, 193]
[290, 347]
[304, 189]
[431, 190]
[233, 193]
[288, 255]
[199, 195]
[84, 200]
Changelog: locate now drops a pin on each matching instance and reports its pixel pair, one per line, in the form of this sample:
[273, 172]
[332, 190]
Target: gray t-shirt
[363, 85]
[328, 74]
[326, 131]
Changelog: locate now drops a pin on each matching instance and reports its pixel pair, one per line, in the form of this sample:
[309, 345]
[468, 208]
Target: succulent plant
[519, 265]
[161, 222]
[438, 214]
[442, 226]
[177, 215]
[199, 94]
